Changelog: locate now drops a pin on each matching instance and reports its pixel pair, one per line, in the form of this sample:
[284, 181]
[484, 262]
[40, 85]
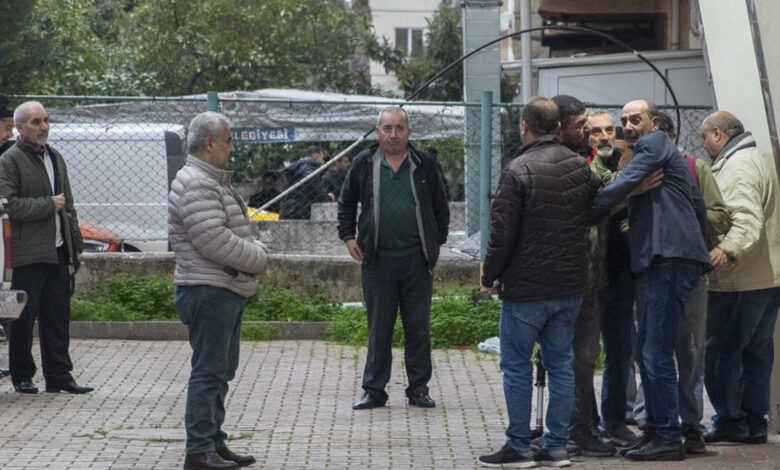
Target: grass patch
[455, 320]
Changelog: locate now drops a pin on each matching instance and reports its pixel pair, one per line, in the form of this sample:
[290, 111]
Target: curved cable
[581, 29]
[449, 67]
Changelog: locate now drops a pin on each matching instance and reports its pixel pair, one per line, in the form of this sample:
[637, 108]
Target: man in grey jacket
[46, 243]
[218, 260]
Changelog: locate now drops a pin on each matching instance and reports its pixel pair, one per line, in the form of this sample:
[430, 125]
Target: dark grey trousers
[390, 284]
[586, 351]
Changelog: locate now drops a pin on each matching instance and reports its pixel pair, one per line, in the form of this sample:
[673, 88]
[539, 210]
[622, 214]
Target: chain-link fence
[123, 152]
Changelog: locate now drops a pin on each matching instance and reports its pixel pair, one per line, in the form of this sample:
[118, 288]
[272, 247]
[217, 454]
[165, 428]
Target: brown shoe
[241, 460]
[208, 461]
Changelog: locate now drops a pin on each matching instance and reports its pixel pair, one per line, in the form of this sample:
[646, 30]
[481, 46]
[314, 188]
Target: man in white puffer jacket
[217, 263]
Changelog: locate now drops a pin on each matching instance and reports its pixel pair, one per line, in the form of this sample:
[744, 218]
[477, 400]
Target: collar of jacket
[738, 142]
[29, 148]
[223, 177]
[542, 140]
[412, 153]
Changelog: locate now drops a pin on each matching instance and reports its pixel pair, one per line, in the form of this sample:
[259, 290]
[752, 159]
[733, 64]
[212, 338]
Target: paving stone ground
[290, 405]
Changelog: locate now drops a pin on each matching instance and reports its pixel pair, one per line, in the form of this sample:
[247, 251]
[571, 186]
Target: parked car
[100, 239]
[11, 301]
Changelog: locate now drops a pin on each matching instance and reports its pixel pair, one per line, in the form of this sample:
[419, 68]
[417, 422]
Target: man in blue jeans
[668, 255]
[536, 257]
[218, 260]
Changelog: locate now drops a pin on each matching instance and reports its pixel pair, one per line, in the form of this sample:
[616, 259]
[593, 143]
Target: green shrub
[126, 297]
[257, 333]
[274, 303]
[454, 321]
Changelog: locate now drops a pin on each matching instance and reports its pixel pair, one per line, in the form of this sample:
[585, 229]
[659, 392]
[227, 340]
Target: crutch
[541, 381]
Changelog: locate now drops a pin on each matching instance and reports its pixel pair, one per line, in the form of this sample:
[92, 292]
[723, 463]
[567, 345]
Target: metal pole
[212, 101]
[675, 26]
[486, 148]
[527, 74]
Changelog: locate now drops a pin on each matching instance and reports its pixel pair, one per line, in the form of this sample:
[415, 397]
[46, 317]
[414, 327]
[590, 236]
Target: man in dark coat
[404, 219]
[668, 255]
[34, 179]
[536, 257]
[297, 204]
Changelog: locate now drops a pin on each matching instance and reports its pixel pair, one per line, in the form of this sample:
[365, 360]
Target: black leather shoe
[26, 386]
[241, 460]
[646, 437]
[657, 450]
[756, 439]
[366, 402]
[4, 373]
[70, 386]
[712, 435]
[694, 442]
[208, 461]
[422, 400]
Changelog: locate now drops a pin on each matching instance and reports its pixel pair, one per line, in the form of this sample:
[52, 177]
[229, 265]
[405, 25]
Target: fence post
[212, 101]
[486, 154]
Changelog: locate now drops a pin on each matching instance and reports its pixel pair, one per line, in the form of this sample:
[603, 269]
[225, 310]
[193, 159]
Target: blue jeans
[616, 329]
[389, 284]
[213, 316]
[661, 293]
[551, 323]
[739, 357]
[690, 363]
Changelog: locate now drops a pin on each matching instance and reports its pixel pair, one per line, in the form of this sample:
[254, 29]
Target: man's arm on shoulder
[24, 209]
[648, 156]
[505, 218]
[204, 218]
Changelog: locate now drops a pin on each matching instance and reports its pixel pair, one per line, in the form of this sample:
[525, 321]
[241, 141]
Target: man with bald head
[46, 247]
[668, 255]
[744, 291]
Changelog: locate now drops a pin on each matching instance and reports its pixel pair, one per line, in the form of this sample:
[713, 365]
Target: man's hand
[651, 181]
[354, 250]
[718, 258]
[59, 201]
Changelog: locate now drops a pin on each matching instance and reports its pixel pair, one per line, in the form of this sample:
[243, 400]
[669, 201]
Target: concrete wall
[338, 277]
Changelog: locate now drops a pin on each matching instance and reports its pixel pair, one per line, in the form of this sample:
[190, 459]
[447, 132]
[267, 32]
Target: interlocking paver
[290, 405]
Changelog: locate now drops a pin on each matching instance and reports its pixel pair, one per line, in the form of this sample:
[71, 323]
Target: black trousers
[390, 283]
[48, 300]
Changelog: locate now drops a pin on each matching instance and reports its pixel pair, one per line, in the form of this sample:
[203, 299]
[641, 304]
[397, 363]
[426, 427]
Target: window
[409, 41]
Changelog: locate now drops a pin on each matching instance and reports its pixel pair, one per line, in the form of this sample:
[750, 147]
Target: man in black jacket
[6, 124]
[536, 257]
[297, 204]
[403, 221]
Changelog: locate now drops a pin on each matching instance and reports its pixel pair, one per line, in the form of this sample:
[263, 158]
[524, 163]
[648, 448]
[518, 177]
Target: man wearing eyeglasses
[668, 255]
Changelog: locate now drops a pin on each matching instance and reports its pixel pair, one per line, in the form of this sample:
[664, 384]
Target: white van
[120, 175]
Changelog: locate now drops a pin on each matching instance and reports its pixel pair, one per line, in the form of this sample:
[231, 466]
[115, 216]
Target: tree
[171, 47]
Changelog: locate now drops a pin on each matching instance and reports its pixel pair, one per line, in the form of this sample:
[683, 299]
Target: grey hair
[392, 109]
[207, 124]
[725, 121]
[21, 114]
